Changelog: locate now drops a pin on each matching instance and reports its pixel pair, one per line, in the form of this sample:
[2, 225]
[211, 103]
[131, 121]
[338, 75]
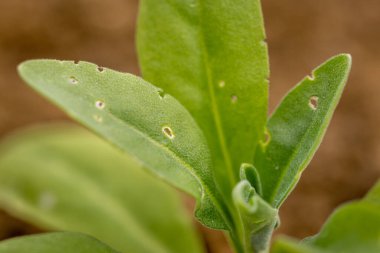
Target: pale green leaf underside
[352, 228]
[211, 55]
[61, 177]
[138, 118]
[62, 242]
[297, 126]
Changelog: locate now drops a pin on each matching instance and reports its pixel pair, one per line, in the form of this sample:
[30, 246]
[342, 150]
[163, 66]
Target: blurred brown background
[301, 35]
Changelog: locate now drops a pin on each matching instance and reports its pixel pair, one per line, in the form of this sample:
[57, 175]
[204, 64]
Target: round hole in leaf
[313, 102]
[168, 132]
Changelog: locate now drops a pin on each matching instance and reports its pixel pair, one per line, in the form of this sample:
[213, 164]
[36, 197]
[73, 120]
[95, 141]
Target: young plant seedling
[198, 119]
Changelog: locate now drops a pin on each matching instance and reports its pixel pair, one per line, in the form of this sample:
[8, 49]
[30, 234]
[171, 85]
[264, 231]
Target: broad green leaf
[62, 242]
[138, 118]
[258, 217]
[352, 228]
[211, 55]
[62, 177]
[297, 126]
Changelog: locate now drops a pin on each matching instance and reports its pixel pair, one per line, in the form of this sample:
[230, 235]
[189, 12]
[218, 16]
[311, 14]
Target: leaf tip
[344, 60]
[347, 58]
[22, 66]
[25, 67]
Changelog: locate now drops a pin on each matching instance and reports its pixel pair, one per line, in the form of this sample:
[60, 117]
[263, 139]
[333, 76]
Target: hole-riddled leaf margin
[132, 116]
[297, 126]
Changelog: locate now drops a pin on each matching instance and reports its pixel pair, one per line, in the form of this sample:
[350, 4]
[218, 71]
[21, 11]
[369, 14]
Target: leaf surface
[297, 126]
[352, 228]
[211, 55]
[64, 178]
[54, 243]
[138, 118]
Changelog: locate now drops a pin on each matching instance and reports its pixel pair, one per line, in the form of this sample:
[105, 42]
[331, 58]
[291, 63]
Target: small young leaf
[138, 118]
[63, 242]
[297, 126]
[62, 177]
[258, 218]
[249, 172]
[211, 55]
[352, 228]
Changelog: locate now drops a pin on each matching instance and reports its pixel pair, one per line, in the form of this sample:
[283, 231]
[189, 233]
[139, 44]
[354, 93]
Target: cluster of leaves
[210, 137]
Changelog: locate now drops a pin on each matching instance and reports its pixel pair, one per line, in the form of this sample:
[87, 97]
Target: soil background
[301, 35]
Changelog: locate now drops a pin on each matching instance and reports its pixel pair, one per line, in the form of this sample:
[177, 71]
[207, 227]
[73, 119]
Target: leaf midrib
[237, 222]
[214, 106]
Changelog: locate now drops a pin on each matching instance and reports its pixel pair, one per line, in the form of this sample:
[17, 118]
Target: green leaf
[287, 245]
[138, 118]
[352, 228]
[258, 217]
[63, 242]
[211, 55]
[62, 177]
[297, 126]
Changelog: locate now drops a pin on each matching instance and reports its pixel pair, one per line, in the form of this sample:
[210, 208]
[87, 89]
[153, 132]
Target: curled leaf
[258, 218]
